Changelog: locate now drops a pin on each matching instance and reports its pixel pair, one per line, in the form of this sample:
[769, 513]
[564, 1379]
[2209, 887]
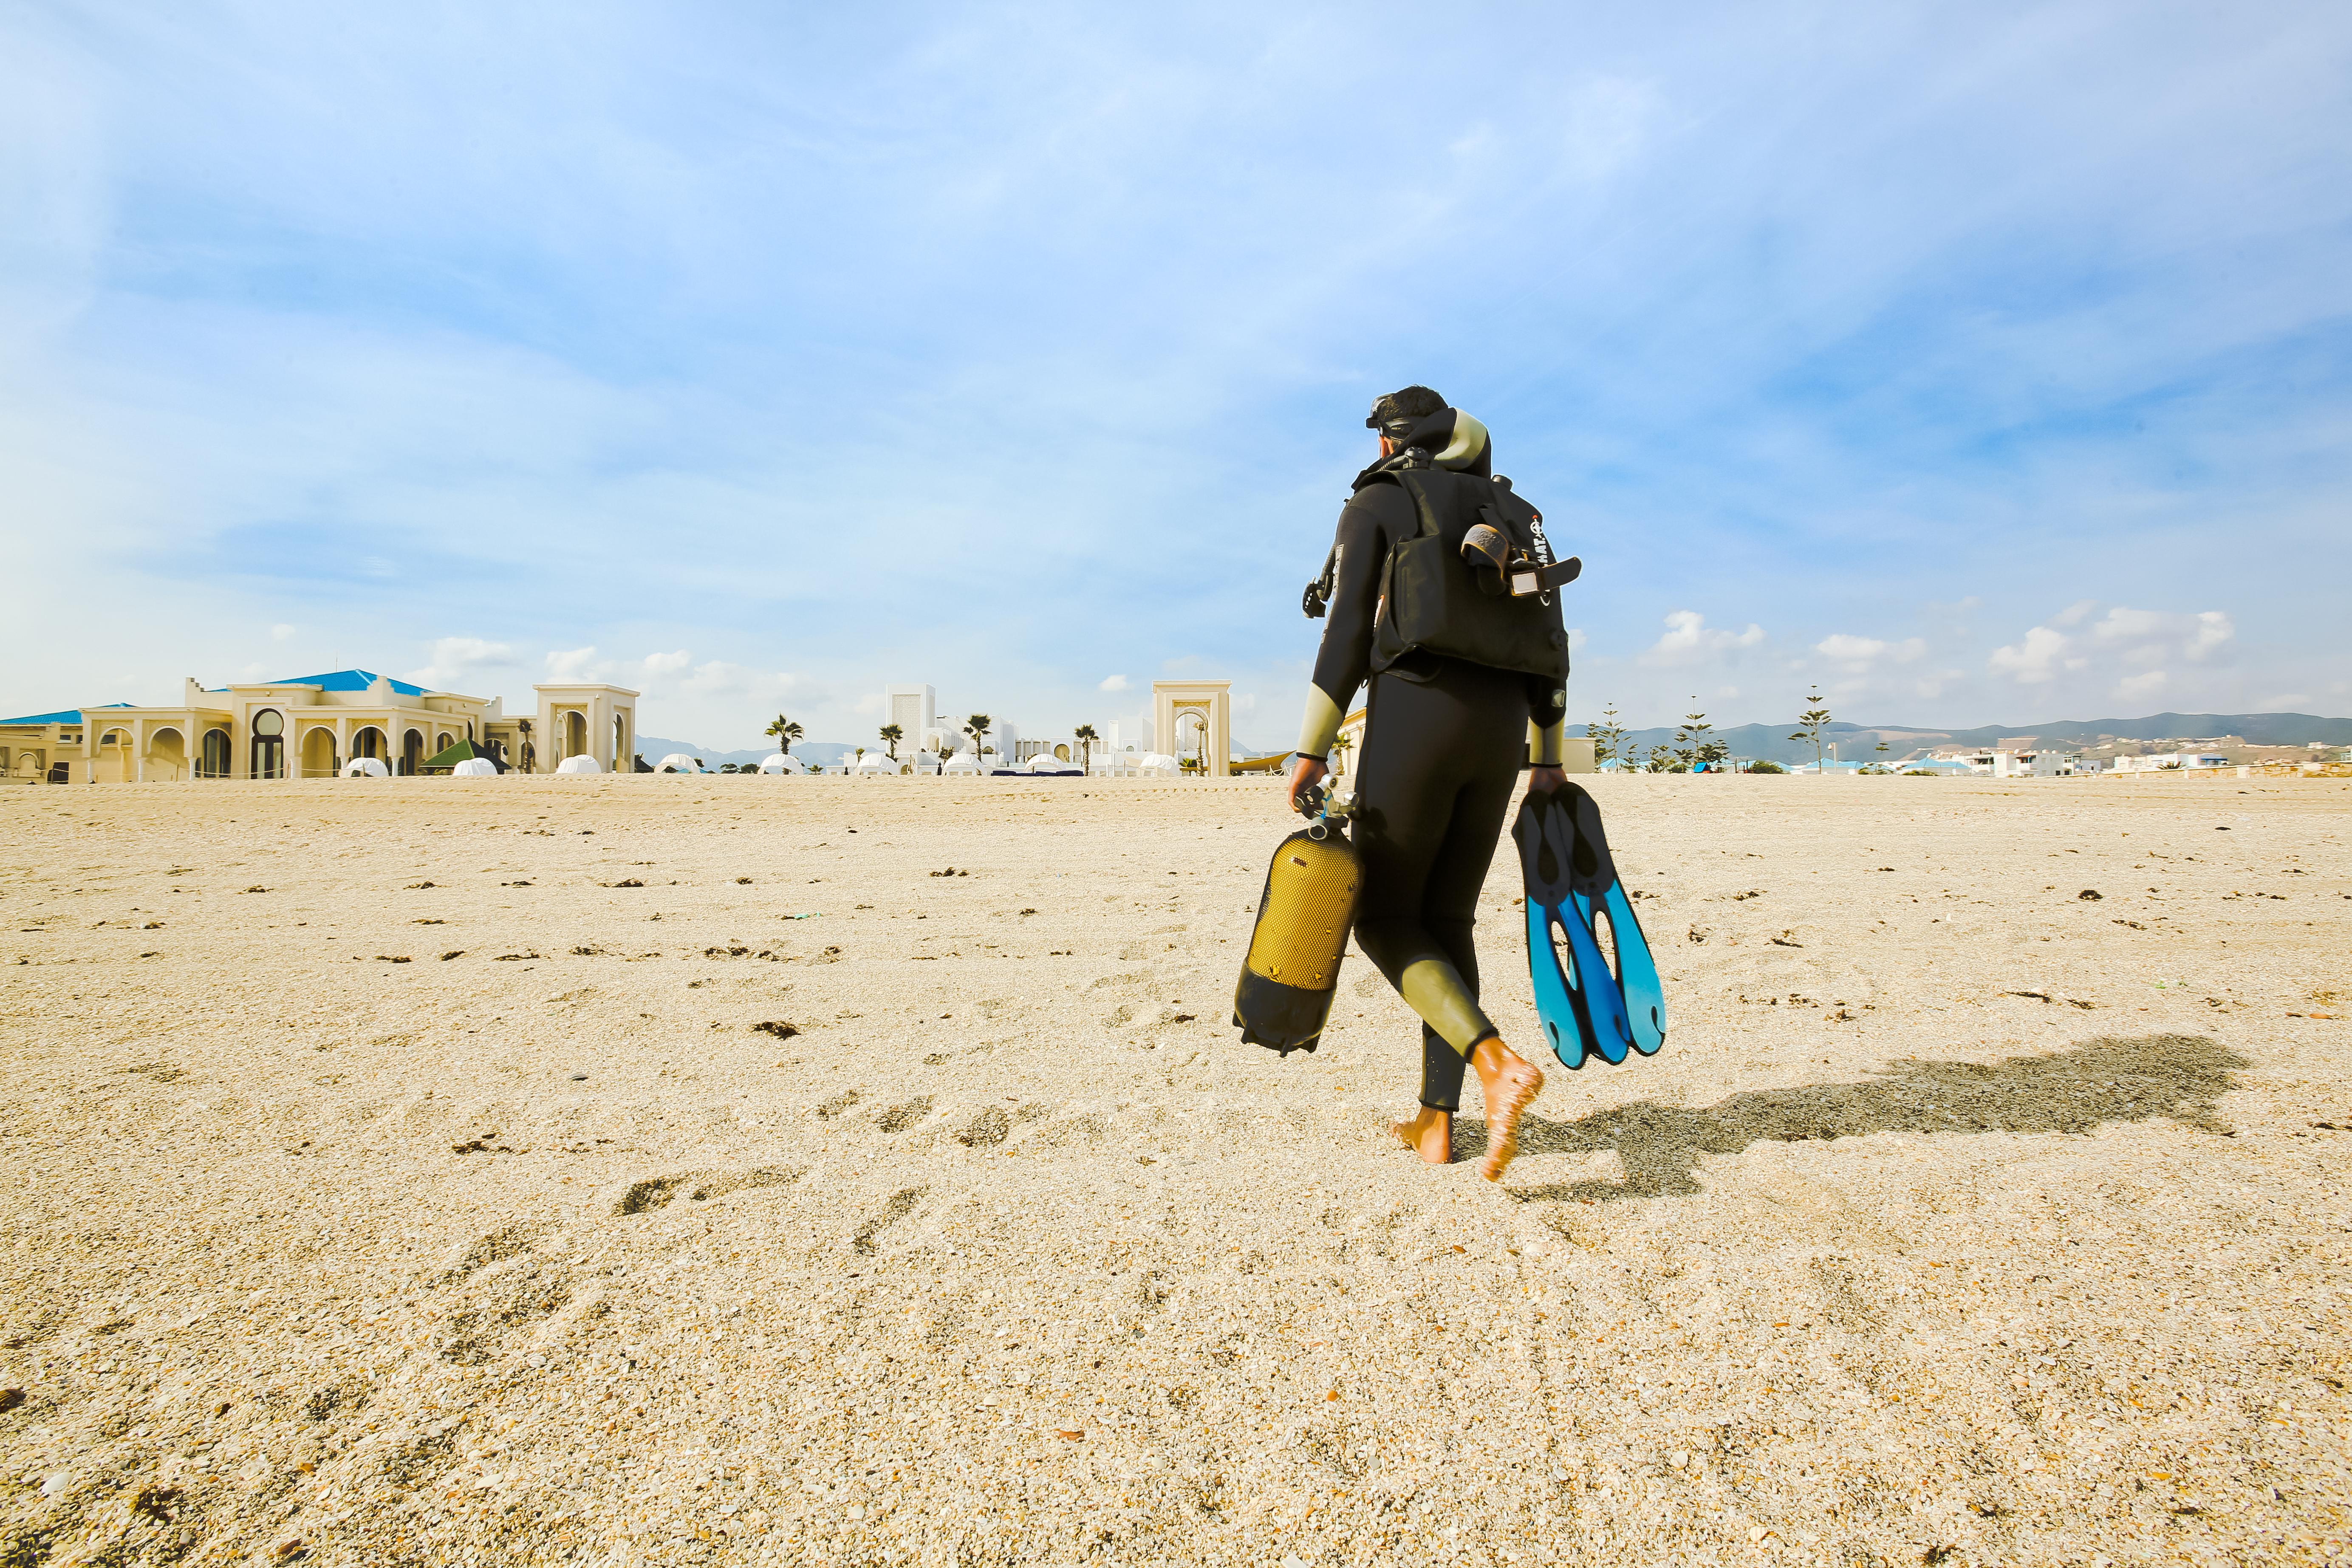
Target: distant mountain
[1858, 743]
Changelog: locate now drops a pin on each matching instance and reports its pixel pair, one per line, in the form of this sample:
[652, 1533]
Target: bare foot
[1429, 1134]
[1511, 1083]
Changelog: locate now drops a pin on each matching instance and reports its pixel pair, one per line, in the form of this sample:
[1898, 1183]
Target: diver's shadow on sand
[2175, 1076]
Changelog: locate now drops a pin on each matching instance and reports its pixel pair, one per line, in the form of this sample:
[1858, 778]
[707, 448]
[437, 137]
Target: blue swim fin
[1578, 1005]
[1593, 878]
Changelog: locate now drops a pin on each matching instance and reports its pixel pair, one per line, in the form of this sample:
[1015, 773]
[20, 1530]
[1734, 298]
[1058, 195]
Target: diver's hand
[1545, 781]
[1305, 774]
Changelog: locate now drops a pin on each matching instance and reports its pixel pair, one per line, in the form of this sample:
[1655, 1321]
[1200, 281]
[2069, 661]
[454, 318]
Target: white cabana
[676, 762]
[365, 768]
[961, 762]
[478, 768]
[1047, 763]
[778, 763]
[1158, 765]
[880, 762]
[582, 763]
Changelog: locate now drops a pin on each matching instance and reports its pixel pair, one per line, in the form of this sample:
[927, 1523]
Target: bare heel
[1512, 1085]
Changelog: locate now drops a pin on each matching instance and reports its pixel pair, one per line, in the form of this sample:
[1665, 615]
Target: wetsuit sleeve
[1346, 657]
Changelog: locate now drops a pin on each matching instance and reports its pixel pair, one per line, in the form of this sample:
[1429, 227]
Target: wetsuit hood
[1448, 439]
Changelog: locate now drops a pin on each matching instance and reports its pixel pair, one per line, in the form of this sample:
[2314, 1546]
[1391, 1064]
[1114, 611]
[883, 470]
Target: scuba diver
[1423, 603]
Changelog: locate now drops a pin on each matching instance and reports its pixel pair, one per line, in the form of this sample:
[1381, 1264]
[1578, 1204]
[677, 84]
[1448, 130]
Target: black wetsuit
[1444, 744]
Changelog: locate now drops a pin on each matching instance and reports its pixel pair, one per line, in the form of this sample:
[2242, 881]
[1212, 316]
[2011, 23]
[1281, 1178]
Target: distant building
[2002, 763]
[2170, 762]
[311, 726]
[916, 711]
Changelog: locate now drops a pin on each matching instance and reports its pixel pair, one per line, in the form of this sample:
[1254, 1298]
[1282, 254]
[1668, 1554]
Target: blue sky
[1984, 363]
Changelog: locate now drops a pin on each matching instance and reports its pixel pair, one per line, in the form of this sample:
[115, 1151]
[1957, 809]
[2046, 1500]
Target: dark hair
[1412, 402]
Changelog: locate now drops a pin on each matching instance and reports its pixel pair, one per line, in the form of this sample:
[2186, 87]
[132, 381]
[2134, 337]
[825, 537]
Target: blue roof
[346, 680]
[62, 716]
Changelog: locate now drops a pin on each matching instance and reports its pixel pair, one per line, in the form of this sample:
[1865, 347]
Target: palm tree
[785, 731]
[892, 734]
[1086, 737]
[976, 727]
[1342, 744]
[1811, 724]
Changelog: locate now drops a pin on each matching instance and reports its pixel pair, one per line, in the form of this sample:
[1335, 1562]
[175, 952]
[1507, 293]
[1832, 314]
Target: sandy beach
[712, 1170]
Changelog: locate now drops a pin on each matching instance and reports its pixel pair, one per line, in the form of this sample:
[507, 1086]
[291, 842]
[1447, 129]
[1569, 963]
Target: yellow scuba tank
[1292, 971]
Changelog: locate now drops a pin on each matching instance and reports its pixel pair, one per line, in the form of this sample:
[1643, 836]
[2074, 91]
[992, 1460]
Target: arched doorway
[620, 744]
[412, 751]
[370, 742]
[318, 752]
[113, 761]
[1192, 739]
[442, 743]
[1061, 751]
[575, 733]
[269, 744]
[214, 765]
[167, 757]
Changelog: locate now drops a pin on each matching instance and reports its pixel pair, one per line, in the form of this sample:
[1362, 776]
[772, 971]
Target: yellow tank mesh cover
[1310, 899]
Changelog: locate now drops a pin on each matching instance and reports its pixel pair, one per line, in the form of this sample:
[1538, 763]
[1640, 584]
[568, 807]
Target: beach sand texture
[487, 1172]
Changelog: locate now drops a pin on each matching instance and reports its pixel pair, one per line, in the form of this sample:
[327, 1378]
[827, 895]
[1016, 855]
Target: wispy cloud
[1689, 640]
[2127, 654]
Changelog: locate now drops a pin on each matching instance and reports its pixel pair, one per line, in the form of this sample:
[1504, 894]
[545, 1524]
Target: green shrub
[1766, 768]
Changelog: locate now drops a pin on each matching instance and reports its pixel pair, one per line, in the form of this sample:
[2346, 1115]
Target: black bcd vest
[1434, 600]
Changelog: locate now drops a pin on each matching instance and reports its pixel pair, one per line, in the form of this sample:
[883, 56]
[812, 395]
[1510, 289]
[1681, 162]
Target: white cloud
[578, 664]
[675, 675]
[2145, 638]
[2071, 615]
[1113, 683]
[1866, 651]
[2034, 660]
[1690, 640]
[281, 631]
[456, 661]
[1927, 688]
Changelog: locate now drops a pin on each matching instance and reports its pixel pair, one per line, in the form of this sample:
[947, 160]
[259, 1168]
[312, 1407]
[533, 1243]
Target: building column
[139, 753]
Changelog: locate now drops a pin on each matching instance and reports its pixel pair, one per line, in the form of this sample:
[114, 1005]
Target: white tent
[478, 768]
[1047, 763]
[676, 762]
[582, 763]
[778, 763]
[961, 762]
[365, 768]
[878, 763]
[1158, 765]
